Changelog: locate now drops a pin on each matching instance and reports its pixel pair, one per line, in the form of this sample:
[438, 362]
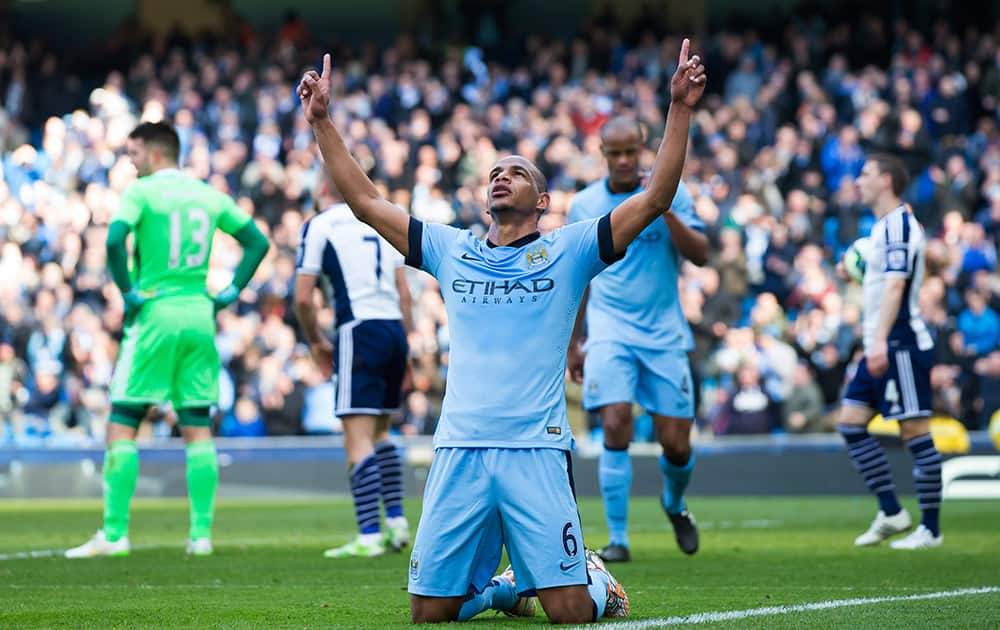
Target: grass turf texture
[268, 571]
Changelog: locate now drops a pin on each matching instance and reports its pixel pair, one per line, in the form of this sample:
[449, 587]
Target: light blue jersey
[510, 314]
[635, 301]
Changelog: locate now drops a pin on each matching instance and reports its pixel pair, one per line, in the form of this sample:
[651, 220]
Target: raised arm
[638, 211]
[359, 192]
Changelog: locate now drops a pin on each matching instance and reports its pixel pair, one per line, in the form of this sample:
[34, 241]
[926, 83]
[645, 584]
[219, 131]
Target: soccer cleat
[199, 547]
[883, 527]
[615, 553]
[524, 606]
[398, 534]
[617, 603]
[685, 531]
[99, 545]
[921, 538]
[357, 548]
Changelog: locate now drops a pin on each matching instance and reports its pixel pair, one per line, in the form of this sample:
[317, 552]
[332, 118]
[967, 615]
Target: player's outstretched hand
[314, 92]
[688, 82]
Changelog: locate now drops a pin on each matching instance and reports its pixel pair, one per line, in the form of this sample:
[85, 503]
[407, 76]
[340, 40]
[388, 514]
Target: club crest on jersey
[537, 256]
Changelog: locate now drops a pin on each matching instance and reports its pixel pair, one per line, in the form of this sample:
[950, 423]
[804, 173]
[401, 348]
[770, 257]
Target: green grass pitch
[268, 571]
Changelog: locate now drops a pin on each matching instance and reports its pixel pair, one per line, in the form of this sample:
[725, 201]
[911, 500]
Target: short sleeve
[309, 258]
[591, 242]
[130, 206]
[231, 218]
[897, 245]
[428, 244]
[683, 207]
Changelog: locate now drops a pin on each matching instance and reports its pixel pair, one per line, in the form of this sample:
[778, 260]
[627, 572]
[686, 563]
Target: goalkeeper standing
[168, 351]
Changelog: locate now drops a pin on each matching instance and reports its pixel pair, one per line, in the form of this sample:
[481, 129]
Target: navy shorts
[370, 360]
[902, 393]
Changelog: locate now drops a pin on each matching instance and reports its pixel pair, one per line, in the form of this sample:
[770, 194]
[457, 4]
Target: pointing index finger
[326, 67]
[682, 61]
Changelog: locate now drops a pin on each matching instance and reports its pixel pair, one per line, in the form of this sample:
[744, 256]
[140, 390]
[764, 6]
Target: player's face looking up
[622, 147]
[515, 184]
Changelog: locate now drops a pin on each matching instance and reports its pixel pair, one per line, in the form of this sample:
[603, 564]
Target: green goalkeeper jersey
[174, 218]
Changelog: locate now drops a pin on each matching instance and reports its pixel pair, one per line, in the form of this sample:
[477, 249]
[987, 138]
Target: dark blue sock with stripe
[870, 460]
[927, 478]
[390, 466]
[365, 488]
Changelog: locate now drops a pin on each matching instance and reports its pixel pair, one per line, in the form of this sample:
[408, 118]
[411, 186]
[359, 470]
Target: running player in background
[366, 280]
[168, 350]
[502, 473]
[893, 378]
[637, 341]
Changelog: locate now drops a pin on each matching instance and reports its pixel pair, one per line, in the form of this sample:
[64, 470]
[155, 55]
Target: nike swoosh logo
[466, 256]
[566, 567]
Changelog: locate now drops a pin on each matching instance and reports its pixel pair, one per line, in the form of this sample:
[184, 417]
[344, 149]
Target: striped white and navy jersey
[359, 265]
[897, 250]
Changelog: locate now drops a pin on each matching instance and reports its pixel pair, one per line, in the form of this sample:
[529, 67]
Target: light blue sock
[675, 481]
[499, 594]
[614, 474]
[598, 589]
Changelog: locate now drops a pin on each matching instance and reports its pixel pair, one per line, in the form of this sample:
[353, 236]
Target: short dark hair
[895, 168]
[161, 134]
[623, 123]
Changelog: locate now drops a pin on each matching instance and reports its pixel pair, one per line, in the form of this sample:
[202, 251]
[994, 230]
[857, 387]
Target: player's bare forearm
[638, 211]
[305, 308]
[691, 243]
[892, 299]
[405, 299]
[359, 192]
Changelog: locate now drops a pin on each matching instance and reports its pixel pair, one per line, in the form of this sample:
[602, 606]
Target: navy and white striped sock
[365, 488]
[390, 466]
[870, 460]
[927, 478]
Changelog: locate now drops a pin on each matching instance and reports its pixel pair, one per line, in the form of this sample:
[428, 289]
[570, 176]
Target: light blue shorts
[658, 380]
[478, 500]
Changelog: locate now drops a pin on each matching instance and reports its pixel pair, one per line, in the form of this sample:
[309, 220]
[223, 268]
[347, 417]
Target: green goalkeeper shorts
[168, 355]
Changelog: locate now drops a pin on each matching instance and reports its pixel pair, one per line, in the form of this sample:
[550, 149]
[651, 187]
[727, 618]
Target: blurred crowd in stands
[784, 128]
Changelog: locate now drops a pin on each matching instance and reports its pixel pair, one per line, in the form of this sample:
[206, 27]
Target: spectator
[244, 420]
[748, 409]
[803, 407]
[979, 325]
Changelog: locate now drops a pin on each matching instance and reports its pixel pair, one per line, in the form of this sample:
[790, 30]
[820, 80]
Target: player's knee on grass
[434, 609]
[616, 419]
[567, 604]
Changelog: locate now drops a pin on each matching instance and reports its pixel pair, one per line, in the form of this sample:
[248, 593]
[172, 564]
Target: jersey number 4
[196, 231]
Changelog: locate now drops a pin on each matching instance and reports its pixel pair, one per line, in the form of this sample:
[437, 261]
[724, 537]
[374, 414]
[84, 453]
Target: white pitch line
[735, 615]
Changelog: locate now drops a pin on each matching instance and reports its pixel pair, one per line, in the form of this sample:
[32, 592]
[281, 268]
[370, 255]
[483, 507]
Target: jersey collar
[607, 186]
[168, 171]
[521, 242]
